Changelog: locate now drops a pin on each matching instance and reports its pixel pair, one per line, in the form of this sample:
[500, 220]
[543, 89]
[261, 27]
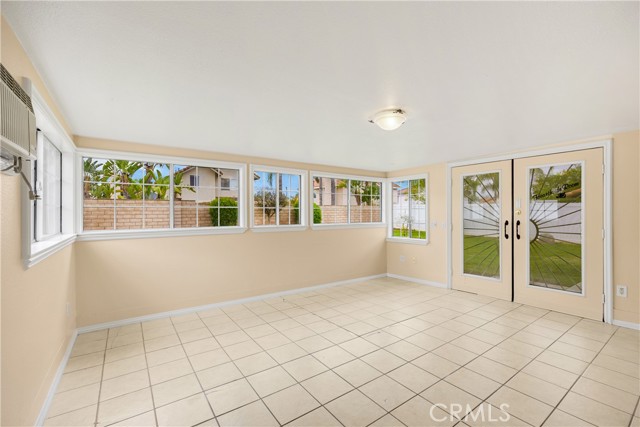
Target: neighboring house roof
[217, 171]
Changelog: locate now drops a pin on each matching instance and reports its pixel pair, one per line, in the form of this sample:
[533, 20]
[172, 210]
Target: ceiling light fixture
[390, 119]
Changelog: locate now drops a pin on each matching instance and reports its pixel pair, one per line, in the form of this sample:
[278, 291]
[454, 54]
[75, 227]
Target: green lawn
[553, 263]
[416, 234]
[481, 256]
[557, 263]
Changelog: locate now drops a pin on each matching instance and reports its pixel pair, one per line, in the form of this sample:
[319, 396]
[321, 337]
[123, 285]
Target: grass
[557, 264]
[481, 256]
[416, 234]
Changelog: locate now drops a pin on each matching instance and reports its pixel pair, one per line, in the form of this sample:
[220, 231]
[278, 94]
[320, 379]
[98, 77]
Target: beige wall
[35, 327]
[425, 262]
[431, 260]
[626, 224]
[119, 279]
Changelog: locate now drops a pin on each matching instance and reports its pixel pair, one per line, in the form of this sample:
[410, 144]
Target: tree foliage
[550, 184]
[364, 192]
[482, 188]
[317, 212]
[224, 209]
[117, 179]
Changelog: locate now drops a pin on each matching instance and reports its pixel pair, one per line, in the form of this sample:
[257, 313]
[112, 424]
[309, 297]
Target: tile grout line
[368, 333]
[146, 362]
[334, 344]
[409, 362]
[247, 381]
[575, 381]
[319, 334]
[633, 415]
[194, 372]
[104, 358]
[460, 420]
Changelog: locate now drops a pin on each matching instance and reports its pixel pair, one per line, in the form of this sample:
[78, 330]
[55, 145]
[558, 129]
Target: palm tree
[91, 173]
[121, 172]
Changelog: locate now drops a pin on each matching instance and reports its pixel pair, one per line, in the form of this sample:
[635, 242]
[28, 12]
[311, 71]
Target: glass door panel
[481, 224]
[555, 227]
[481, 219]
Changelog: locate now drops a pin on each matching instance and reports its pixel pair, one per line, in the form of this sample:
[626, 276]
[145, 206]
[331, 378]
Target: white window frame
[408, 240]
[35, 251]
[304, 220]
[383, 196]
[158, 232]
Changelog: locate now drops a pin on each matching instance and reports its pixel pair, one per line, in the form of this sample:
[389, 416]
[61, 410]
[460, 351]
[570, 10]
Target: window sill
[151, 234]
[42, 250]
[277, 228]
[408, 241]
[354, 225]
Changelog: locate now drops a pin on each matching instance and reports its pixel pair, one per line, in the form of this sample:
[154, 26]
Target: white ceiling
[297, 81]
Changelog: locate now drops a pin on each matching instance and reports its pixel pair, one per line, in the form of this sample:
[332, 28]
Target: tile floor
[383, 353]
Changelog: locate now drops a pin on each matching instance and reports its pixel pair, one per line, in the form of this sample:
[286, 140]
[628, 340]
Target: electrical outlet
[68, 309]
[403, 258]
[621, 291]
[413, 260]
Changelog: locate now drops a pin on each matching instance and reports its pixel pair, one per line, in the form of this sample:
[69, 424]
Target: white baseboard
[420, 281]
[629, 325]
[116, 323]
[56, 380]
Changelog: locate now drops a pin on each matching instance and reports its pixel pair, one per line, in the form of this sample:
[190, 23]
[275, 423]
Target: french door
[531, 230]
[481, 243]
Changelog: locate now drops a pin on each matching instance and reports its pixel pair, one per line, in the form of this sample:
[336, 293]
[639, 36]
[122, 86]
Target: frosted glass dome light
[390, 119]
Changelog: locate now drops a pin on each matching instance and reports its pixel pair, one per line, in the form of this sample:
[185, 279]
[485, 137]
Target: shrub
[317, 213]
[228, 212]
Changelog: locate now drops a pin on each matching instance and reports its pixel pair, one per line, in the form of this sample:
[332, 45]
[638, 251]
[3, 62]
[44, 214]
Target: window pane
[418, 209]
[223, 212]
[156, 212]
[365, 201]
[51, 201]
[228, 182]
[408, 209]
[98, 201]
[129, 213]
[330, 196]
[184, 217]
[276, 195]
[264, 198]
[212, 194]
[124, 171]
[400, 215]
[288, 216]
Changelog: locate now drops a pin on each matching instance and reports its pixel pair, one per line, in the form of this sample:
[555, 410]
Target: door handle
[518, 229]
[506, 224]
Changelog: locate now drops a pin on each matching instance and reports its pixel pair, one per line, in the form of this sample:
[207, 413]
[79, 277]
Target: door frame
[606, 143]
